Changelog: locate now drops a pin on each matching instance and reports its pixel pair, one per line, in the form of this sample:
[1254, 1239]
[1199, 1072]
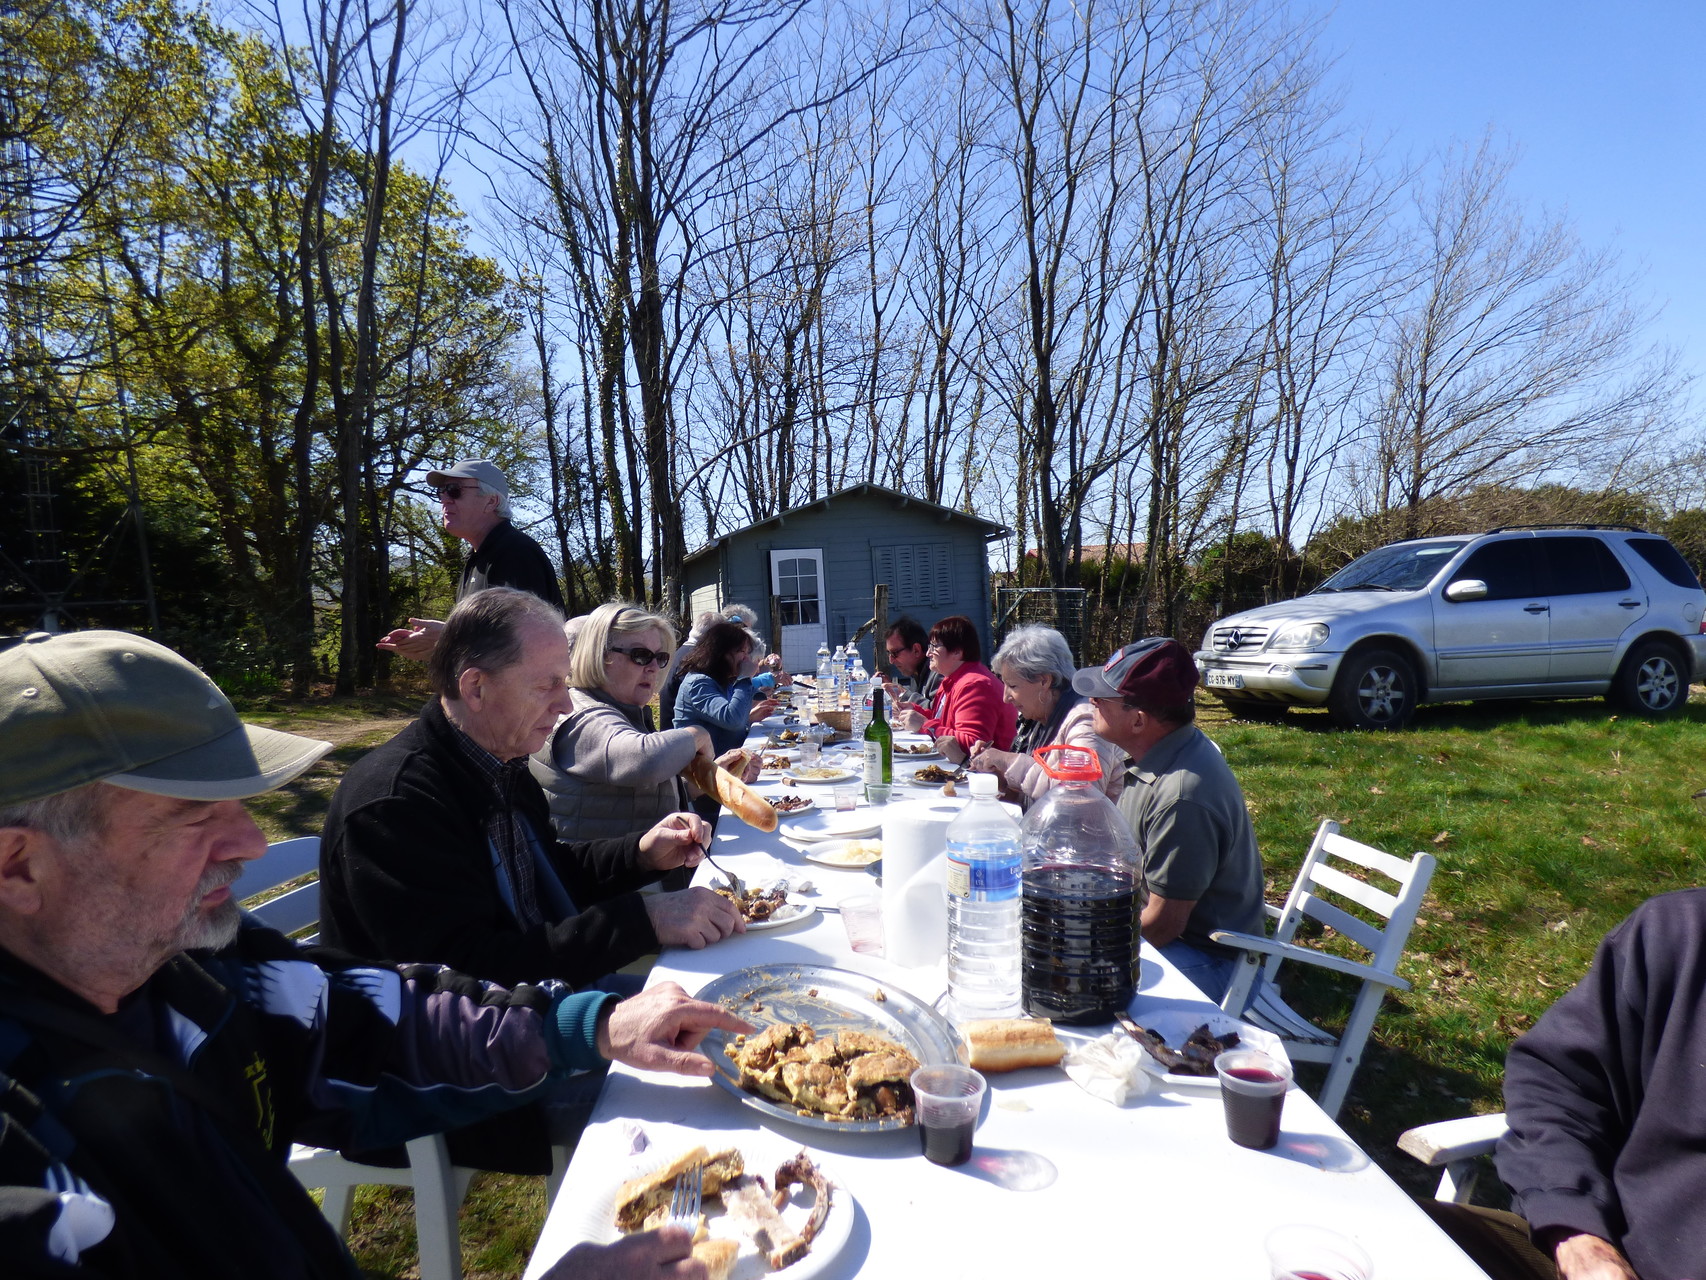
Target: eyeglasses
[455, 491]
[935, 646]
[894, 652]
[642, 657]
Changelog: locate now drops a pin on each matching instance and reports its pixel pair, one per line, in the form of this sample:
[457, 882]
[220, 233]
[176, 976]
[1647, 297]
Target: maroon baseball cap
[1156, 672]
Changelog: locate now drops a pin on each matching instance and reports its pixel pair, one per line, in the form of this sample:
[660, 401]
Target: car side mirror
[1466, 589]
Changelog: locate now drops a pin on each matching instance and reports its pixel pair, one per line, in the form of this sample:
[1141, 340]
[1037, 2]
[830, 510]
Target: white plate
[846, 855]
[812, 825]
[1175, 1026]
[794, 910]
[833, 775]
[902, 757]
[958, 782]
[596, 1215]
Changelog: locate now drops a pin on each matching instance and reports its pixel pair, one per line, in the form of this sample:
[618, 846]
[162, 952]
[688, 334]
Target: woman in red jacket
[969, 708]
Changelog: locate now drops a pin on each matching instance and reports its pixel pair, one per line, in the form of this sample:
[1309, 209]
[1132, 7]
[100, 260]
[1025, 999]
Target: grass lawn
[1551, 821]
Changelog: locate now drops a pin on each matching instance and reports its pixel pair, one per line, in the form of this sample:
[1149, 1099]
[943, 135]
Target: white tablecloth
[1059, 1179]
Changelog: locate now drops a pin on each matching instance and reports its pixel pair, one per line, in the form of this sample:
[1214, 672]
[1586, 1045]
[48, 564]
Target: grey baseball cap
[484, 470]
[108, 706]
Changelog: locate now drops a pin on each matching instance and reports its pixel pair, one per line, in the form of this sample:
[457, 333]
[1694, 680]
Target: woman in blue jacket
[716, 687]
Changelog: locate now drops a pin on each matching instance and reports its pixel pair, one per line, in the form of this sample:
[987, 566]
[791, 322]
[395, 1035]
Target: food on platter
[740, 799]
[851, 853]
[852, 1075]
[915, 748]
[932, 774]
[643, 1203]
[1007, 1044]
[749, 1206]
[787, 738]
[818, 773]
[790, 804]
[772, 764]
[755, 904]
[1194, 1057]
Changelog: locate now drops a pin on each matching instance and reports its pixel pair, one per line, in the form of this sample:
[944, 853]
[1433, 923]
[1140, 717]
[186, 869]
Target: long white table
[1058, 1178]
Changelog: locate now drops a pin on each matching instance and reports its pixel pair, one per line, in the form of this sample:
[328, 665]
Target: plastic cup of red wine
[1305, 1252]
[1252, 1087]
[947, 1099]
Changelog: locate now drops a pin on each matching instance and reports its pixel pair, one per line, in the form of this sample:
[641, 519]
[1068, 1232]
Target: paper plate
[833, 824]
[819, 775]
[1175, 1026]
[596, 1215]
[846, 855]
[793, 911]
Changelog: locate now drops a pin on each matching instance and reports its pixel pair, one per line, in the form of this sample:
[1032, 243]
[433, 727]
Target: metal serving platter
[827, 1000]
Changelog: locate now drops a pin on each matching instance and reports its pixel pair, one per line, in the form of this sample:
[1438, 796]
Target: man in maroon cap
[1193, 831]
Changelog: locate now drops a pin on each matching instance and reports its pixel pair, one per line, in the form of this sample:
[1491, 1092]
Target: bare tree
[1514, 356]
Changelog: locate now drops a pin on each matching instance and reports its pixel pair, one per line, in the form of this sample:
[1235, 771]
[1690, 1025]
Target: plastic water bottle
[984, 863]
[825, 678]
[859, 697]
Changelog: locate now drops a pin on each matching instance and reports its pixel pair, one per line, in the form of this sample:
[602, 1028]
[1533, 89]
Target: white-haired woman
[607, 769]
[1035, 667]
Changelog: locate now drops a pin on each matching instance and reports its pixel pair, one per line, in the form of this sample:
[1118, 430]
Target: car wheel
[1651, 681]
[1375, 689]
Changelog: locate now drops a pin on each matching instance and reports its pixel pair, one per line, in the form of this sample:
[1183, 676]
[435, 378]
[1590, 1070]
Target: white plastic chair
[1455, 1148]
[1318, 881]
[439, 1186]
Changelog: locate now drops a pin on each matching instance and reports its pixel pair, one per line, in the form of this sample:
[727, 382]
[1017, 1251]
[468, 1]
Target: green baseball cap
[108, 706]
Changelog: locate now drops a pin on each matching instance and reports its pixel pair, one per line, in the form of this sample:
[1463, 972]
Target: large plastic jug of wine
[1081, 897]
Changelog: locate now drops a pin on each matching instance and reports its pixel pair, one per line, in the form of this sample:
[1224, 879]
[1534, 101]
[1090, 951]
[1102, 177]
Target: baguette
[1007, 1044]
[718, 1256]
[740, 799]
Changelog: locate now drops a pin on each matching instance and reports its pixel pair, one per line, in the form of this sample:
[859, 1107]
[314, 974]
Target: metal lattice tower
[30, 423]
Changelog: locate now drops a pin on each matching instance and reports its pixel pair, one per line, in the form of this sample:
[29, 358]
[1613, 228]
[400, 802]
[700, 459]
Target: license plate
[1223, 680]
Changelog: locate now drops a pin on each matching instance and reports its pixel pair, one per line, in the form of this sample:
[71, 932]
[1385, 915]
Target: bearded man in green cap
[160, 1051]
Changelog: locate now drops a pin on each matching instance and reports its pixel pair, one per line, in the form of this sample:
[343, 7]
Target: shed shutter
[919, 575]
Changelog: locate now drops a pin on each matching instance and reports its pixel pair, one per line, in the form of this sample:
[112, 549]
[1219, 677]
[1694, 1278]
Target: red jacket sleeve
[970, 709]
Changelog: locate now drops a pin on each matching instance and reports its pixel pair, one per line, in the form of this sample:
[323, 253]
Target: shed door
[796, 580]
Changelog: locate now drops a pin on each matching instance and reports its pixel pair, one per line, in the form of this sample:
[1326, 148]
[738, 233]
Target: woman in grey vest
[607, 769]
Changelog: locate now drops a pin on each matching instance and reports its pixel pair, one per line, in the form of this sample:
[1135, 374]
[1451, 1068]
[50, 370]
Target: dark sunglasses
[642, 657]
[455, 491]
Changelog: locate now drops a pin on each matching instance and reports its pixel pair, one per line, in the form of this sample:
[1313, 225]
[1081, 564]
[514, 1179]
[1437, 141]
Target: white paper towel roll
[915, 881]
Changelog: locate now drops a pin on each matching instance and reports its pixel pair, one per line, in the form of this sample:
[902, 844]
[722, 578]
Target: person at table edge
[473, 498]
[160, 1051]
[1606, 1102]
[907, 648]
[438, 845]
[1185, 808]
[969, 707]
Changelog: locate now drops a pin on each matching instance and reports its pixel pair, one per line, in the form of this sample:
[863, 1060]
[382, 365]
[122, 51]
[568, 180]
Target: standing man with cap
[1193, 832]
[160, 1051]
[474, 497]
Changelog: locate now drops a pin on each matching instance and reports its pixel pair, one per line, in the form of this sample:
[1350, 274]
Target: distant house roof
[988, 528]
[1093, 552]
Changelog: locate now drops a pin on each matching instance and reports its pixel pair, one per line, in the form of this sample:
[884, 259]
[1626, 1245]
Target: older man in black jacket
[438, 845]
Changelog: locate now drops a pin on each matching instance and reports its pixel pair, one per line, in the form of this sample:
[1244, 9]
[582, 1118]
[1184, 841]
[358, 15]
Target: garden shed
[812, 569]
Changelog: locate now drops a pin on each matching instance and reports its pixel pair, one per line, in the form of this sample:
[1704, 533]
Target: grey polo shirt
[1193, 835]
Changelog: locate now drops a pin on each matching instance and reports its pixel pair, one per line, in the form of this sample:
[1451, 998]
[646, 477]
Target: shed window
[920, 575]
[797, 595]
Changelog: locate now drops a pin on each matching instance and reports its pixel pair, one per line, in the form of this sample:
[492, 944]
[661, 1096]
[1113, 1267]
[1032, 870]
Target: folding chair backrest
[1319, 881]
[283, 862]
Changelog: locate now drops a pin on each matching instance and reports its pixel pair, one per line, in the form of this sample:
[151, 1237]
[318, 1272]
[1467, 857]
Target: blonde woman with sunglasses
[607, 769]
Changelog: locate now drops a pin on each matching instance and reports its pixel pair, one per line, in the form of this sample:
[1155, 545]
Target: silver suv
[1554, 612]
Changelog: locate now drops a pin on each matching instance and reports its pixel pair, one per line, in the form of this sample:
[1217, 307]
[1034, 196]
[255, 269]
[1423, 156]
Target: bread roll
[740, 799]
[718, 1256]
[1007, 1044]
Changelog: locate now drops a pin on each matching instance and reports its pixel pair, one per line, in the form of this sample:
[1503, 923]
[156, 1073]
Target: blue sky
[1606, 102]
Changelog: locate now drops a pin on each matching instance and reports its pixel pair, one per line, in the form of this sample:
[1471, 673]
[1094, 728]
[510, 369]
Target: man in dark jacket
[159, 1053]
[474, 498]
[438, 845]
[1606, 1100]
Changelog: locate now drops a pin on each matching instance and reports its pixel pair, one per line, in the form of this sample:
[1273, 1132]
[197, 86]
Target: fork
[685, 1200]
[734, 880]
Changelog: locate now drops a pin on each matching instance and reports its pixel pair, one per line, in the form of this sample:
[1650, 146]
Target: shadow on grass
[1440, 717]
